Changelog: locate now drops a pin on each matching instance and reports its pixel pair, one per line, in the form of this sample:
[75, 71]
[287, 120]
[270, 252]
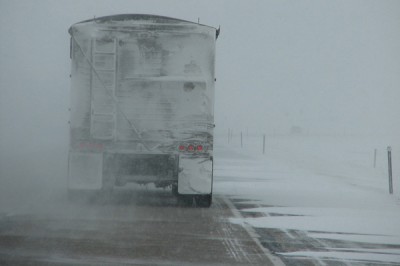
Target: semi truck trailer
[142, 105]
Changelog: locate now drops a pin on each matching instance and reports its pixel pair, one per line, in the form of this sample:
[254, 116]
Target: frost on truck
[142, 105]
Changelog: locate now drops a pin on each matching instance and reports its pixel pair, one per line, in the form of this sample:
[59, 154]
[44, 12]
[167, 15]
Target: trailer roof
[136, 17]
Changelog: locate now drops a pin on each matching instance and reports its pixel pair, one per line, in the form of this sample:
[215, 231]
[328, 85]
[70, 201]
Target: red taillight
[191, 148]
[181, 147]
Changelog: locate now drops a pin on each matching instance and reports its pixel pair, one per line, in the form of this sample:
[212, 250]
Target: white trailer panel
[142, 103]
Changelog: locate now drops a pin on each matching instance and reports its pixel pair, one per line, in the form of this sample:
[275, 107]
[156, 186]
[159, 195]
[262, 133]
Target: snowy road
[314, 200]
[307, 247]
[305, 202]
[143, 228]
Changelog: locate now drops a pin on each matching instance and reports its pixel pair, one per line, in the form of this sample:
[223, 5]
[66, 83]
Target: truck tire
[203, 201]
[185, 200]
[175, 190]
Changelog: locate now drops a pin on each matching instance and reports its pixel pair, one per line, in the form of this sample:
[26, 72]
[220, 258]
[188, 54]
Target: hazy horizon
[327, 67]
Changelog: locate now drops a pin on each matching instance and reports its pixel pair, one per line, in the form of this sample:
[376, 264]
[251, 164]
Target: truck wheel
[204, 201]
[185, 200]
[175, 190]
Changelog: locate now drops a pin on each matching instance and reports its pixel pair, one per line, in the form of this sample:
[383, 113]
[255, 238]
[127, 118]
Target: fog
[307, 68]
[326, 67]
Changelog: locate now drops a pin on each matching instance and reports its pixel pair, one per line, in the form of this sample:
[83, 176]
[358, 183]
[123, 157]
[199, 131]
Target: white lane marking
[250, 231]
[288, 233]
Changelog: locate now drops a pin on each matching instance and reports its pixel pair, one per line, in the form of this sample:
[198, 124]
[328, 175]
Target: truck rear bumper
[91, 171]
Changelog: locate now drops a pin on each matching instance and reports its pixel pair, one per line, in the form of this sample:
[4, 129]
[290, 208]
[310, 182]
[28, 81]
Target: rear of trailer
[142, 105]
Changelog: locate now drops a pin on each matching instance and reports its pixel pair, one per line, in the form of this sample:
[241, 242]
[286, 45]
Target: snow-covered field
[326, 187]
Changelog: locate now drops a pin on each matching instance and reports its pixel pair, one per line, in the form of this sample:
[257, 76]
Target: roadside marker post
[389, 149]
[264, 144]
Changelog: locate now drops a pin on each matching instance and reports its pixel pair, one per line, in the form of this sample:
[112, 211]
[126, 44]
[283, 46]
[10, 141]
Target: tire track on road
[274, 260]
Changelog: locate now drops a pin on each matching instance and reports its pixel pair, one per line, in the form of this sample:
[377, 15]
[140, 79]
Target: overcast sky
[325, 66]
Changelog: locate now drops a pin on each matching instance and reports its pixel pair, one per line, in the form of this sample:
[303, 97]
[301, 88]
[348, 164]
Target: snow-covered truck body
[142, 104]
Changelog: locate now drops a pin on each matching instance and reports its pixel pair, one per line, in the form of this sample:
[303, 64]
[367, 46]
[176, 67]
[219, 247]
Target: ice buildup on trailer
[142, 105]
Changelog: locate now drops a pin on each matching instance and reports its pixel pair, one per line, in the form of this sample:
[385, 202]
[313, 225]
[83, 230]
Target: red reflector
[199, 147]
[191, 148]
[181, 147]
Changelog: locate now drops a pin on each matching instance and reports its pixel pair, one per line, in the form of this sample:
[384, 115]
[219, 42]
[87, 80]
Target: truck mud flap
[195, 176]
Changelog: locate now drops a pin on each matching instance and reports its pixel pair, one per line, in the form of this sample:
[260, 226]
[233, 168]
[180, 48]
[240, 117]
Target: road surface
[132, 227]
